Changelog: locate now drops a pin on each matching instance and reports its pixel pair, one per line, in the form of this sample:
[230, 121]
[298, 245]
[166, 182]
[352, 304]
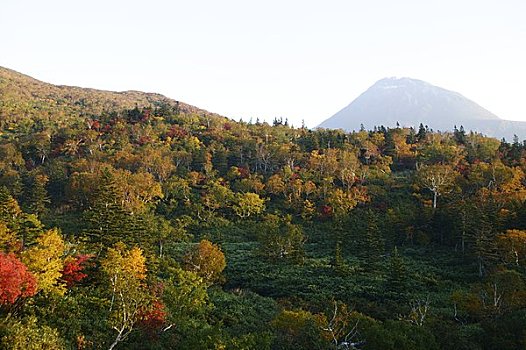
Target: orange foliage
[15, 280]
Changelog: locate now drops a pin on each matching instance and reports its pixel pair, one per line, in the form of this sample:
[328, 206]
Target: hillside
[23, 96]
[410, 102]
[130, 225]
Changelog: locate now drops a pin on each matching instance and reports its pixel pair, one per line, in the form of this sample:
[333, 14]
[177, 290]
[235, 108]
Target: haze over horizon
[296, 60]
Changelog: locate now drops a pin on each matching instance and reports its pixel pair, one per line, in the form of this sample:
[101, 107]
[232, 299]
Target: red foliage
[326, 210]
[73, 268]
[227, 126]
[145, 114]
[153, 319]
[144, 140]
[463, 169]
[95, 124]
[243, 172]
[176, 132]
[15, 281]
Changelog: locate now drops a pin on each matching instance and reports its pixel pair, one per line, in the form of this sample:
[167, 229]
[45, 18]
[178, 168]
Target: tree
[512, 246]
[206, 260]
[185, 296]
[279, 238]
[15, 280]
[9, 209]
[397, 273]
[436, 178]
[73, 269]
[44, 260]
[125, 272]
[36, 197]
[106, 218]
[299, 330]
[481, 234]
[372, 242]
[8, 240]
[343, 330]
[342, 202]
[27, 335]
[248, 204]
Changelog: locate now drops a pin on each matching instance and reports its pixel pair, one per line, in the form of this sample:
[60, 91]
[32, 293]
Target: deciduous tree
[15, 280]
[206, 260]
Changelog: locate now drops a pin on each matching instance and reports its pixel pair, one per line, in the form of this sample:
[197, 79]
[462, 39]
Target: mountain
[22, 96]
[411, 102]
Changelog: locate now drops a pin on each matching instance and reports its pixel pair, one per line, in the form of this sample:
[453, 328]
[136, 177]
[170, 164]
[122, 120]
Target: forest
[133, 221]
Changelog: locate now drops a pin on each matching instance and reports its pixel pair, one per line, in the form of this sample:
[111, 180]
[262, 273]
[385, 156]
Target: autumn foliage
[15, 280]
[152, 320]
[73, 269]
[206, 260]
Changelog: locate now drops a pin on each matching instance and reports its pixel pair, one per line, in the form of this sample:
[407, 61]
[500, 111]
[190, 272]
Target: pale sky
[301, 60]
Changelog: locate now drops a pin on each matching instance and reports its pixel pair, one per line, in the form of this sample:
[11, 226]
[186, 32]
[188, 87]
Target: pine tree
[397, 274]
[373, 244]
[9, 209]
[106, 220]
[26, 226]
[339, 264]
[482, 239]
[36, 197]
[422, 132]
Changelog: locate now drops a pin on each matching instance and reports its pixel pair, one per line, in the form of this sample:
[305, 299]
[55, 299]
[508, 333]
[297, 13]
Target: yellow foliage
[44, 260]
[275, 184]
[248, 204]
[206, 260]
[7, 238]
[512, 245]
[124, 265]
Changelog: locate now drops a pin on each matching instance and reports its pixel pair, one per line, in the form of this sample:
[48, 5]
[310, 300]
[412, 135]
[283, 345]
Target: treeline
[155, 227]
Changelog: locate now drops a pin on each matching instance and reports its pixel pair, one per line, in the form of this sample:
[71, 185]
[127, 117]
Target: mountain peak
[410, 102]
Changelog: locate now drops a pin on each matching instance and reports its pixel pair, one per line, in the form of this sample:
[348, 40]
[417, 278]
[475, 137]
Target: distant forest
[131, 221]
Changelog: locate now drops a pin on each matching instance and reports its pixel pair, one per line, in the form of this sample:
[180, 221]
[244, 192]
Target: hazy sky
[295, 59]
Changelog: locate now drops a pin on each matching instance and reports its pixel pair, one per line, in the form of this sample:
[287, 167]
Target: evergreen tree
[106, 220]
[339, 264]
[422, 132]
[26, 226]
[373, 244]
[481, 236]
[9, 209]
[397, 274]
[36, 197]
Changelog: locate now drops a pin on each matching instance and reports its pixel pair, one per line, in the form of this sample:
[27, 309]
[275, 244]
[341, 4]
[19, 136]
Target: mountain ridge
[24, 94]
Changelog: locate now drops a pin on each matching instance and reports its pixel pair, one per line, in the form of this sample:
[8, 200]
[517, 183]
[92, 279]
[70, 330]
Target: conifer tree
[26, 227]
[397, 273]
[36, 197]
[372, 242]
[107, 221]
[9, 209]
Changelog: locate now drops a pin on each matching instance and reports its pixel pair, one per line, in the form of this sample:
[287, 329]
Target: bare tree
[344, 334]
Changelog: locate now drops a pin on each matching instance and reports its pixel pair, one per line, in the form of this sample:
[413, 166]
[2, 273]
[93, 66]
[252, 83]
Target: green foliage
[304, 219]
[397, 274]
[394, 335]
[298, 330]
[280, 239]
[28, 335]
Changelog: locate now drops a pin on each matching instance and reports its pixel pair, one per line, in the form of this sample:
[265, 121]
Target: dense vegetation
[161, 226]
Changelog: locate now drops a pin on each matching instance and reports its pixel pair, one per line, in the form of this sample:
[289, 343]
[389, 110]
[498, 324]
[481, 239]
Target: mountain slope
[411, 102]
[23, 96]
